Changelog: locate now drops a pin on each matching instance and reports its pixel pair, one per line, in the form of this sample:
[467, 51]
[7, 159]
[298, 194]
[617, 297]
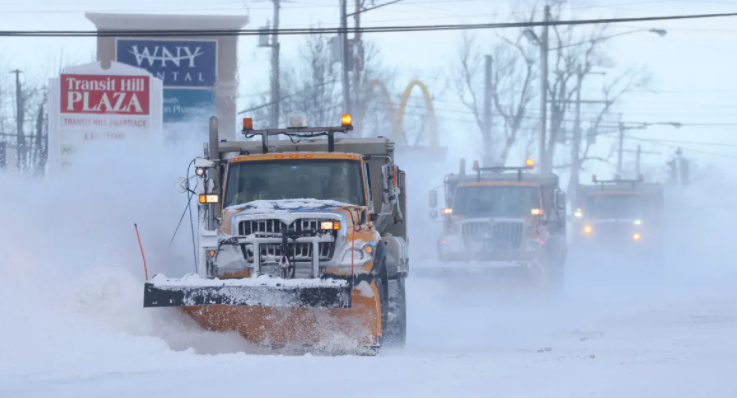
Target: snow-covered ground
[71, 322]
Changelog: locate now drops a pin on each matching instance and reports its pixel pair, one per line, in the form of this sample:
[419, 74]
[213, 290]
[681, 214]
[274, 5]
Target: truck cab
[618, 214]
[505, 217]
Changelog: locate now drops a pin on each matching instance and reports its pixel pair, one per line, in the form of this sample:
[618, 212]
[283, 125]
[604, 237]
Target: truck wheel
[396, 329]
[382, 285]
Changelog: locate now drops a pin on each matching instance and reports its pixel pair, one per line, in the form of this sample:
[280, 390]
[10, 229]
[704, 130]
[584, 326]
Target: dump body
[299, 241]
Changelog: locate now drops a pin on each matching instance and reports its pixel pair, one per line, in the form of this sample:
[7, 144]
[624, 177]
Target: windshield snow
[334, 179]
[496, 201]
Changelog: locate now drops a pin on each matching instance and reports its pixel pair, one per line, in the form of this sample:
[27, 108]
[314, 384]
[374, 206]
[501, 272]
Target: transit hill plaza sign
[198, 73]
[90, 103]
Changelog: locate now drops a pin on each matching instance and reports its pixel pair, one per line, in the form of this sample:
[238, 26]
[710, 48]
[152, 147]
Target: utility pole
[621, 146]
[576, 144]
[37, 155]
[21, 139]
[637, 162]
[275, 100]
[344, 55]
[357, 64]
[544, 161]
[487, 113]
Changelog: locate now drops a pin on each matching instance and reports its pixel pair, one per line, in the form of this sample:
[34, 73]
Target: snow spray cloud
[69, 241]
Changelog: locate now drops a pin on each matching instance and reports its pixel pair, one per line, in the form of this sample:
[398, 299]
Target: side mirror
[433, 199]
[387, 179]
[182, 185]
[434, 214]
[560, 200]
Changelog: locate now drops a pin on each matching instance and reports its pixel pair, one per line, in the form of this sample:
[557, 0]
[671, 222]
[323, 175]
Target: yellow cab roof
[498, 183]
[297, 155]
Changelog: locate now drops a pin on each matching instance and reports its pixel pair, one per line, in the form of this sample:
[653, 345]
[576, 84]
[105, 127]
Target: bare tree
[512, 92]
[573, 49]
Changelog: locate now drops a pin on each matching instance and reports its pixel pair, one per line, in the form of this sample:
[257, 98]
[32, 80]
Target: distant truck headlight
[638, 222]
[636, 236]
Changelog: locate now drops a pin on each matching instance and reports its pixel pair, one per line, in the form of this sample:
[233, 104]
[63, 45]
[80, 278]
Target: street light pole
[275, 90]
[544, 161]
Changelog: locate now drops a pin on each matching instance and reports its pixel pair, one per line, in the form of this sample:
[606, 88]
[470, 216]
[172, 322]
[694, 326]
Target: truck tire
[382, 285]
[396, 328]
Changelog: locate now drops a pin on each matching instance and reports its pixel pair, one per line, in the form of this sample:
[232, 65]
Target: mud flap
[338, 296]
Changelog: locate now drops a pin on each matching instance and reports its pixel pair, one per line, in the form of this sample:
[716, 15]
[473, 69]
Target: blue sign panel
[182, 105]
[179, 63]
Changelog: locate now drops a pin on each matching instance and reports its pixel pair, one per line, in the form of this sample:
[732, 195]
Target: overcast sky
[693, 66]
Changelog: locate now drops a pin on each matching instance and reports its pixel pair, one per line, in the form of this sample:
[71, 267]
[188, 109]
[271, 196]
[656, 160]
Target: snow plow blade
[180, 293]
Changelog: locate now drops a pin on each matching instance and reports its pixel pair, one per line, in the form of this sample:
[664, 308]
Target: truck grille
[613, 231]
[248, 227]
[498, 235]
[301, 252]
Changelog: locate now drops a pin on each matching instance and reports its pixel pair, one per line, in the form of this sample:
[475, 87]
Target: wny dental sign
[91, 104]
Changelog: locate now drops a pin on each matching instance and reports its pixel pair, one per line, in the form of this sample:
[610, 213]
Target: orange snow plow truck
[302, 242]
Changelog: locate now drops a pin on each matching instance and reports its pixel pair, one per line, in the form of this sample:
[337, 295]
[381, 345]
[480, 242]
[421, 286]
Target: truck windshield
[331, 179]
[496, 201]
[616, 206]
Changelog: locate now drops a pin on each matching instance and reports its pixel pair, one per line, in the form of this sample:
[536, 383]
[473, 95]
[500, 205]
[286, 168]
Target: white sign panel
[91, 104]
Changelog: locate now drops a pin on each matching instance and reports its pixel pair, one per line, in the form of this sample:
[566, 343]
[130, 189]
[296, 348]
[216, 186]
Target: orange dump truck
[505, 220]
[301, 241]
[623, 215]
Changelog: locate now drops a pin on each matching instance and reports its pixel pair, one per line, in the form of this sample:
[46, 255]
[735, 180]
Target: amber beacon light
[346, 120]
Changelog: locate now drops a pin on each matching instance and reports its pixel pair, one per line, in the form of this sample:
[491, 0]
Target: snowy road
[71, 322]
[607, 340]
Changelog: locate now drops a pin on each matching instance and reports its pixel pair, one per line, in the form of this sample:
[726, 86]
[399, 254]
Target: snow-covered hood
[282, 206]
[288, 205]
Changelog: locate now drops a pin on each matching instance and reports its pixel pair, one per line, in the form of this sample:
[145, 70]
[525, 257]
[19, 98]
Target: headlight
[638, 222]
[535, 244]
[359, 255]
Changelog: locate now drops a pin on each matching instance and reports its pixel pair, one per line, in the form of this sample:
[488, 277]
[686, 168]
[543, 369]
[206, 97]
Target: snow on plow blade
[260, 292]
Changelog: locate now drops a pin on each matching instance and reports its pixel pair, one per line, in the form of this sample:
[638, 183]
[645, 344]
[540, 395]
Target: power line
[373, 29]
[303, 6]
[720, 144]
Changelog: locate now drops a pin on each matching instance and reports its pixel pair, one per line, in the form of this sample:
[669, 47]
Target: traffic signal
[672, 172]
